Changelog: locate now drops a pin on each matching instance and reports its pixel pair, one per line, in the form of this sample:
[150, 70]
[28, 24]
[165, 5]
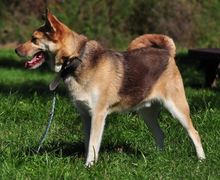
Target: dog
[103, 81]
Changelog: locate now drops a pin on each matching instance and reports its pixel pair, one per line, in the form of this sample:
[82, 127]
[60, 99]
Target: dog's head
[51, 43]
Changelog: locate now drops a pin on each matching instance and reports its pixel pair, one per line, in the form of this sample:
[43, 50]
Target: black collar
[68, 67]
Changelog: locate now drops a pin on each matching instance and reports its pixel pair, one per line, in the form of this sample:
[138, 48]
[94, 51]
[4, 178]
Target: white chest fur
[84, 99]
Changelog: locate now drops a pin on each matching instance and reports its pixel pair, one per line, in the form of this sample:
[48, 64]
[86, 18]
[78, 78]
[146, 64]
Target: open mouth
[38, 59]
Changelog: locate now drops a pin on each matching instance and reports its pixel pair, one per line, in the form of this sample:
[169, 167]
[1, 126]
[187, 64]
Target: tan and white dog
[104, 82]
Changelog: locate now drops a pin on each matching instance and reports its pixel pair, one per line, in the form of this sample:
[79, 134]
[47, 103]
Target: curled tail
[154, 40]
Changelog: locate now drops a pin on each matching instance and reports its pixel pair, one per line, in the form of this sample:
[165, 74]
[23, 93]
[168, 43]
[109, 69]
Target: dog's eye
[33, 40]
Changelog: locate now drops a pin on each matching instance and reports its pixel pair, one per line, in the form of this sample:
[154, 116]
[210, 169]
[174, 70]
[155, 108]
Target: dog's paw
[89, 164]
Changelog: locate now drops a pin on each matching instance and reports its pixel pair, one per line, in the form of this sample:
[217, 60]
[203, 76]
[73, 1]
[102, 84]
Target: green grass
[24, 111]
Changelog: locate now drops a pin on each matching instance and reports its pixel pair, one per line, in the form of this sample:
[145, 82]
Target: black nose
[16, 51]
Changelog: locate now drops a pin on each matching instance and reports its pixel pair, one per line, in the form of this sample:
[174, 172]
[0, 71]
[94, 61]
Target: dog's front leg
[97, 127]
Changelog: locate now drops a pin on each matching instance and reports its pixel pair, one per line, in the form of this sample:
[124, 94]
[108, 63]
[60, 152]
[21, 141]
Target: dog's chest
[83, 98]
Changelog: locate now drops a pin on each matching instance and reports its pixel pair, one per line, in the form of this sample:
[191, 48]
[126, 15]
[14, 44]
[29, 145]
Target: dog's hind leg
[179, 108]
[150, 114]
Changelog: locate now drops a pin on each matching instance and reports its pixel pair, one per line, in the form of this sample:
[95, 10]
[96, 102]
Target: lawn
[128, 148]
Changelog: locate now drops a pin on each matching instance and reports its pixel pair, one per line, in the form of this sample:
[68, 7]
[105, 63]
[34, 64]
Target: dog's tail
[154, 40]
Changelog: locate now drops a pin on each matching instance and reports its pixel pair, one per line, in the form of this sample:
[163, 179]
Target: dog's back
[142, 69]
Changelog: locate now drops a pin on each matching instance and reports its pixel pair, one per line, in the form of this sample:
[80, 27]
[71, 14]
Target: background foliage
[191, 23]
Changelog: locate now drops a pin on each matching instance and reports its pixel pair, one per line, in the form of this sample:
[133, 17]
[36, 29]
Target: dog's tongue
[37, 60]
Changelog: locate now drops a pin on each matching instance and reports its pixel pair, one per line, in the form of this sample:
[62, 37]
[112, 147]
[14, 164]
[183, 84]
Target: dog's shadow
[9, 62]
[28, 88]
[65, 149]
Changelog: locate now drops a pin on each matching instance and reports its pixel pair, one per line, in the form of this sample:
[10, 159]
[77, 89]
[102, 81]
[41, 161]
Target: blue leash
[69, 65]
[49, 122]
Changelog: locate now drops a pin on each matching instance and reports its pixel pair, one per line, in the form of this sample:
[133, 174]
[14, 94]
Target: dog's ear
[51, 23]
[44, 17]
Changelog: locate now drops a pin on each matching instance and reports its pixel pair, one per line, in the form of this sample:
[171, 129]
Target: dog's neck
[78, 43]
[69, 67]
[73, 46]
